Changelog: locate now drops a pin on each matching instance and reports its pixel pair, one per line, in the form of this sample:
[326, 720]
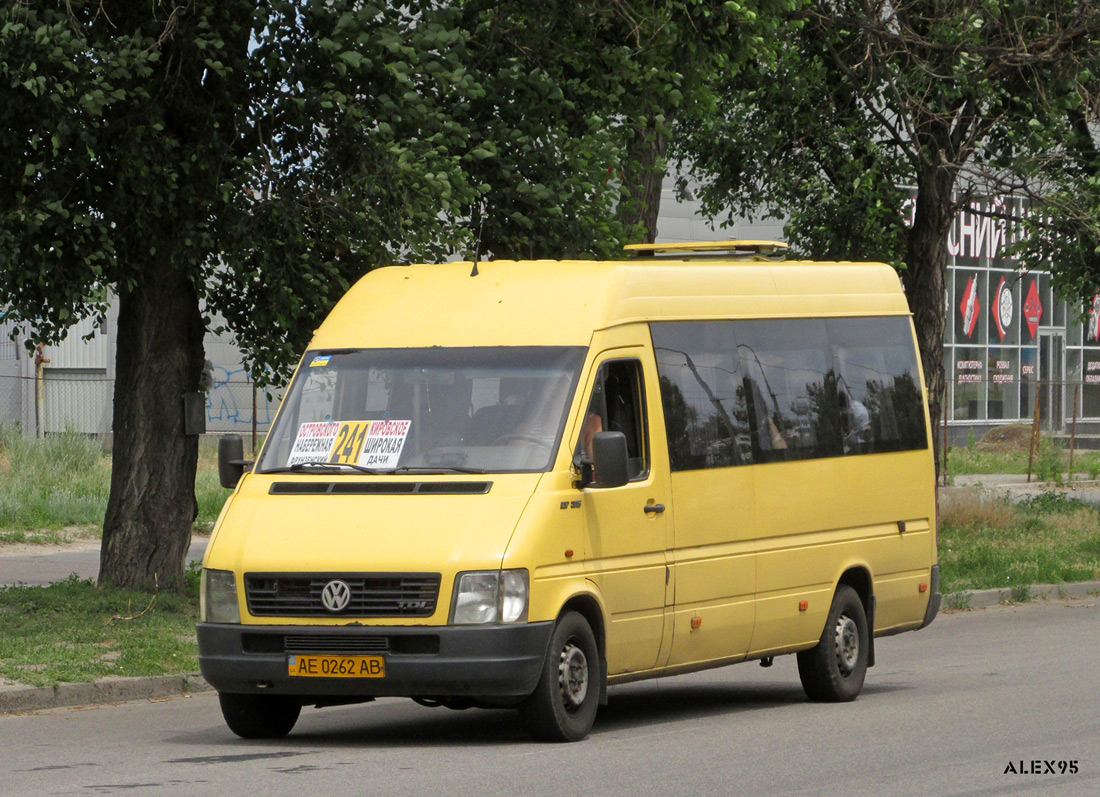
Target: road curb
[16, 698]
[982, 598]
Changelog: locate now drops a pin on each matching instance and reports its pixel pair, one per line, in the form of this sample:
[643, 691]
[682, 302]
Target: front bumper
[421, 661]
[934, 598]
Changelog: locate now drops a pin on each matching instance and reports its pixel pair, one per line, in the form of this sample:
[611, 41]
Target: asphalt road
[946, 711]
[42, 565]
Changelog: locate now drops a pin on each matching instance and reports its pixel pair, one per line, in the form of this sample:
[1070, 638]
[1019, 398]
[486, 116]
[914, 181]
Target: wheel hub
[573, 676]
[847, 643]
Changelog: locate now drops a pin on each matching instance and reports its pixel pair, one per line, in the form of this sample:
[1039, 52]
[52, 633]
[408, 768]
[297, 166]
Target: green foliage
[1048, 463]
[277, 151]
[72, 631]
[1021, 593]
[266, 155]
[1049, 539]
[982, 459]
[52, 483]
[49, 486]
[1050, 501]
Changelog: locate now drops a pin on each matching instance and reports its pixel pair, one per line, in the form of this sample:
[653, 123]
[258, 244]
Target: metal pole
[944, 411]
[1073, 428]
[1034, 430]
[40, 392]
[253, 420]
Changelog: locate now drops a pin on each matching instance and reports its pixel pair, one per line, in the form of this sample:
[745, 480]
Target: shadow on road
[399, 723]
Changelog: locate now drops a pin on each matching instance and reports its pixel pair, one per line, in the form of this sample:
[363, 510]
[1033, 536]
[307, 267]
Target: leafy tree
[674, 55]
[541, 130]
[568, 138]
[251, 159]
[195, 157]
[948, 99]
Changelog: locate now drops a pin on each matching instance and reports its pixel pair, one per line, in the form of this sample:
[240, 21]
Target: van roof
[561, 302]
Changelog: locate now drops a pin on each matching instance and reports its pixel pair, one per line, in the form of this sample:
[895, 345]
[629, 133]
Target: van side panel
[549, 539]
[714, 564]
[818, 517]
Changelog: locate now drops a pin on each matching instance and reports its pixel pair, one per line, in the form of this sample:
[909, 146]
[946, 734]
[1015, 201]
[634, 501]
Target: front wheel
[259, 716]
[833, 670]
[563, 706]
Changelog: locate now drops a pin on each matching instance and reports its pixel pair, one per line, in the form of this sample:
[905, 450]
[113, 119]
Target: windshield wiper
[432, 469]
[311, 467]
[318, 467]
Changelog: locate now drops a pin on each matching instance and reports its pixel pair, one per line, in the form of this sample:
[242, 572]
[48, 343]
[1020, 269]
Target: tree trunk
[924, 280]
[643, 177]
[147, 528]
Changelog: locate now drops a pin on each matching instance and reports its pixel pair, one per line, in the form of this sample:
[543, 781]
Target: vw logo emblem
[336, 595]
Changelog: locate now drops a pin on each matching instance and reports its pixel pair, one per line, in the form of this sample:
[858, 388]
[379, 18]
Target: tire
[259, 716]
[833, 670]
[563, 706]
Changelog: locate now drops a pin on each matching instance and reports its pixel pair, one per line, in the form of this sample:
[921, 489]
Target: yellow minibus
[517, 483]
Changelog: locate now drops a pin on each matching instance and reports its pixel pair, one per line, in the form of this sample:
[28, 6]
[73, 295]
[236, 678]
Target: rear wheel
[563, 706]
[833, 670]
[259, 716]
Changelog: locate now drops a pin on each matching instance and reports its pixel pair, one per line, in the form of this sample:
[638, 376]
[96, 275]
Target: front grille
[346, 643]
[372, 594]
[336, 643]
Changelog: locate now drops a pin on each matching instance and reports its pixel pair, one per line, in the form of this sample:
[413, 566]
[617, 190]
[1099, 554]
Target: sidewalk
[39, 565]
[1016, 487]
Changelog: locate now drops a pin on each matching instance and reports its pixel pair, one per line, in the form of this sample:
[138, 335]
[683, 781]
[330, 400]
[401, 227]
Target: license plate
[336, 666]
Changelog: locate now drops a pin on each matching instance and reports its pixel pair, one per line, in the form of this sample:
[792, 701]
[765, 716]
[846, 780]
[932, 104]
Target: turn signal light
[923, 588]
[803, 605]
[696, 622]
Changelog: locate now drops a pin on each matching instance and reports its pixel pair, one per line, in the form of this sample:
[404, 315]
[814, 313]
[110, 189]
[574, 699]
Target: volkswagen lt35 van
[519, 483]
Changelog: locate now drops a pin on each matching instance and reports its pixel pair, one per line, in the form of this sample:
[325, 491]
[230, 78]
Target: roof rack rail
[771, 250]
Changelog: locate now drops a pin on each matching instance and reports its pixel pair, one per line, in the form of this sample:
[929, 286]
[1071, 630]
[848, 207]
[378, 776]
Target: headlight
[493, 596]
[218, 597]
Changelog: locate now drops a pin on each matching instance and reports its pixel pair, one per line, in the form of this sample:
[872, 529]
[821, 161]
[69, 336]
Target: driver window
[617, 406]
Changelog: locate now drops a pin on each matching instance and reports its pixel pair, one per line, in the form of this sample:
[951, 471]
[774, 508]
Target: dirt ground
[1008, 439]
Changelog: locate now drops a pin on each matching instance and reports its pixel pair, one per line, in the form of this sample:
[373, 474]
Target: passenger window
[617, 405]
[773, 390]
[706, 412]
[878, 383]
[791, 389]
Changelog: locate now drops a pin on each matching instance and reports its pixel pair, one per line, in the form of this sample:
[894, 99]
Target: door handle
[653, 509]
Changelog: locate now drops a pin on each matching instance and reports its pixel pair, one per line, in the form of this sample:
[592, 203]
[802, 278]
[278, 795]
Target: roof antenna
[478, 218]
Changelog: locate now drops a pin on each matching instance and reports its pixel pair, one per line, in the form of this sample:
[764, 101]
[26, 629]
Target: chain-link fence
[82, 402]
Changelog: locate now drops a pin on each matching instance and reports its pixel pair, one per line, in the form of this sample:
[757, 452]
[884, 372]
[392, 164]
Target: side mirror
[609, 456]
[231, 461]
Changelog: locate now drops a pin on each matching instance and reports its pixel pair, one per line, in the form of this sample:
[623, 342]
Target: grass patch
[1050, 539]
[1005, 450]
[62, 482]
[71, 631]
[52, 483]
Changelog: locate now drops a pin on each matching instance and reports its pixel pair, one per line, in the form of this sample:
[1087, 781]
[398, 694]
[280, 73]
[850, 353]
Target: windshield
[422, 410]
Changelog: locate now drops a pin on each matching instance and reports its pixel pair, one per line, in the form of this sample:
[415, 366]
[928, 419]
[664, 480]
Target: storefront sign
[970, 307]
[1003, 308]
[1033, 309]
